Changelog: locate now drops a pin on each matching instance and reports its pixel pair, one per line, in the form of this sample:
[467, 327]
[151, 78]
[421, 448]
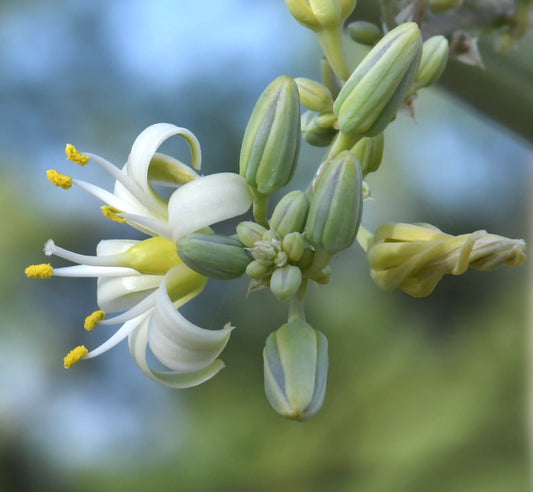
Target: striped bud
[271, 143]
[369, 152]
[290, 213]
[249, 232]
[285, 281]
[314, 95]
[435, 52]
[213, 255]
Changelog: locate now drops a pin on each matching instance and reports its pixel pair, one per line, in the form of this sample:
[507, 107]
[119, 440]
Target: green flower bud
[271, 143]
[434, 58]
[213, 255]
[369, 151]
[321, 14]
[307, 259]
[377, 87]
[364, 32]
[336, 206]
[296, 369]
[258, 270]
[443, 5]
[322, 277]
[264, 251]
[318, 129]
[313, 95]
[249, 232]
[290, 213]
[285, 281]
[294, 245]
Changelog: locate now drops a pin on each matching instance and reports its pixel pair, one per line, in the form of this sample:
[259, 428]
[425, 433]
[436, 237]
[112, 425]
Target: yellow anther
[44, 270]
[91, 321]
[74, 155]
[75, 355]
[59, 179]
[112, 213]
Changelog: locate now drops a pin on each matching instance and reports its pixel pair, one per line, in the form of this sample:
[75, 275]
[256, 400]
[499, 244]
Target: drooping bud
[213, 255]
[296, 368]
[271, 143]
[336, 205]
[249, 232]
[369, 152]
[290, 213]
[319, 129]
[364, 32]
[285, 281]
[321, 14]
[313, 95]
[372, 95]
[434, 58]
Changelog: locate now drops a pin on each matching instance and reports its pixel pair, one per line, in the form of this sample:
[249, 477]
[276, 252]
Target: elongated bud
[290, 213]
[294, 245]
[336, 206]
[434, 58]
[319, 129]
[313, 95]
[213, 255]
[285, 281]
[364, 32]
[296, 369]
[444, 5]
[377, 87]
[321, 14]
[249, 233]
[271, 143]
[369, 152]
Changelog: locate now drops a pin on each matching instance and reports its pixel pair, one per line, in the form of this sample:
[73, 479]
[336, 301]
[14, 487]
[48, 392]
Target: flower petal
[206, 201]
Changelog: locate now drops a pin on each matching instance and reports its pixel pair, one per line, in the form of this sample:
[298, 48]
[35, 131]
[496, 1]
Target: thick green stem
[296, 304]
[331, 42]
[320, 261]
[260, 208]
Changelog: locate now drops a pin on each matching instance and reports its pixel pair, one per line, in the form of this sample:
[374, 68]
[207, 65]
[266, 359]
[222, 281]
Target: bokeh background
[424, 394]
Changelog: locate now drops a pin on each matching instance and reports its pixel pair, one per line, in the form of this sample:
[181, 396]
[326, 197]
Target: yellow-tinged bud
[44, 270]
[435, 52]
[259, 270]
[61, 180]
[364, 32]
[91, 321]
[314, 95]
[75, 355]
[74, 155]
[112, 213]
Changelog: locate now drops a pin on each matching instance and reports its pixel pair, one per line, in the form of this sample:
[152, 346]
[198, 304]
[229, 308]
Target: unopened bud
[434, 58]
[364, 32]
[321, 14]
[313, 95]
[290, 213]
[271, 143]
[369, 151]
[336, 206]
[376, 89]
[296, 369]
[249, 232]
[322, 277]
[213, 255]
[294, 245]
[285, 282]
[259, 270]
[319, 129]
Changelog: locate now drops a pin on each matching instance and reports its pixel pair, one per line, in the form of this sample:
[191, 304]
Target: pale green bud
[296, 369]
[281, 259]
[336, 205]
[319, 129]
[434, 58]
[313, 95]
[322, 277]
[290, 213]
[271, 143]
[294, 245]
[376, 89]
[213, 255]
[443, 5]
[258, 270]
[321, 14]
[364, 32]
[285, 281]
[249, 233]
[369, 152]
[264, 251]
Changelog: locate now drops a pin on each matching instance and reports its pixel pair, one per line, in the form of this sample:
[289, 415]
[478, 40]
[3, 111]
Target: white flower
[146, 281]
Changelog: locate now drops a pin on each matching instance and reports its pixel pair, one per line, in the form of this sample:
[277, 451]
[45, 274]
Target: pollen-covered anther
[61, 180]
[75, 355]
[113, 213]
[91, 321]
[74, 155]
[44, 270]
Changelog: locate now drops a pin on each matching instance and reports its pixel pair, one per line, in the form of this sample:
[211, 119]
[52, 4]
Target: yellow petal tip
[75, 355]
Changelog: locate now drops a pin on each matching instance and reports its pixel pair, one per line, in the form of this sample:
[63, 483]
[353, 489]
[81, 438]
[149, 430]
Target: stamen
[112, 213]
[74, 155]
[94, 271]
[50, 248]
[91, 321]
[44, 270]
[59, 179]
[75, 355]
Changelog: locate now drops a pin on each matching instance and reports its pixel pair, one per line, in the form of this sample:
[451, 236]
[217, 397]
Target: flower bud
[271, 143]
[285, 281]
[293, 244]
[290, 213]
[296, 369]
[259, 270]
[321, 14]
[369, 152]
[319, 129]
[249, 232]
[313, 95]
[336, 206]
[434, 58]
[364, 32]
[377, 87]
[213, 255]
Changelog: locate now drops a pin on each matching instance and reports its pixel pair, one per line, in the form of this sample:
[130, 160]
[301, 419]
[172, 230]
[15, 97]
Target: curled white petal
[206, 201]
[122, 293]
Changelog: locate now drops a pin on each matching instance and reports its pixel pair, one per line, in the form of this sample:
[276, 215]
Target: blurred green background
[423, 394]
